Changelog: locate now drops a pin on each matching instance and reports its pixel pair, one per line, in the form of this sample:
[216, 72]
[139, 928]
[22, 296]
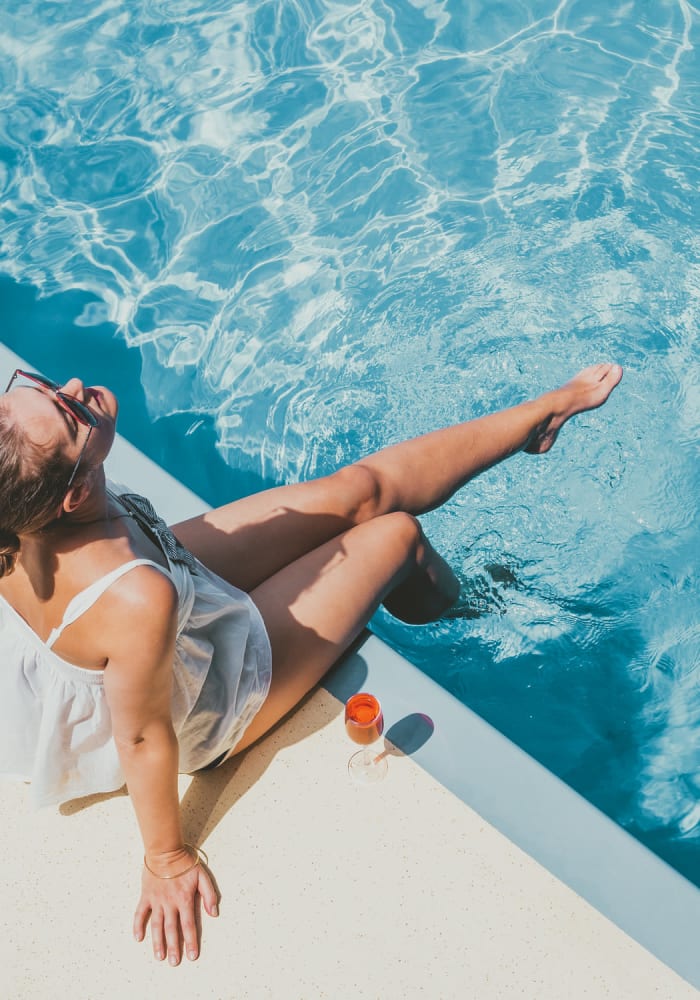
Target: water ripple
[329, 226]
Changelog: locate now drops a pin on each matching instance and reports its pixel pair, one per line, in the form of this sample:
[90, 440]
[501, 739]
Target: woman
[130, 652]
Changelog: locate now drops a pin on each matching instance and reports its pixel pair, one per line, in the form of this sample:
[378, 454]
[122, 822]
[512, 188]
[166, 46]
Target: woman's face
[48, 424]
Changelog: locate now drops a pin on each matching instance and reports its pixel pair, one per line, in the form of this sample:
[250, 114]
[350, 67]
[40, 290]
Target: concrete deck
[399, 890]
[328, 890]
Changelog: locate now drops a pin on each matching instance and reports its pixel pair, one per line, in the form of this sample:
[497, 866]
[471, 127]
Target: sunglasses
[70, 404]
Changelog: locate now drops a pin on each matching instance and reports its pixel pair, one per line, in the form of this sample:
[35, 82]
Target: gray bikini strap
[142, 510]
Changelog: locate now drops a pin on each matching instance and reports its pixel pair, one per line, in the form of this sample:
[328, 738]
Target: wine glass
[364, 724]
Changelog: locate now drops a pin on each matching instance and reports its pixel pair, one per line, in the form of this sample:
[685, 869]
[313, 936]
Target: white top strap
[85, 599]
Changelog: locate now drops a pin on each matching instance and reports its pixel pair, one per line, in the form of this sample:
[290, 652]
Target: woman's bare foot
[586, 391]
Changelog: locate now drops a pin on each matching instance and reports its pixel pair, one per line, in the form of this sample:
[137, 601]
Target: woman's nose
[74, 387]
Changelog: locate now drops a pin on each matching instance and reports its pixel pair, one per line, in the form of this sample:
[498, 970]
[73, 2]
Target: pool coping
[536, 810]
[551, 823]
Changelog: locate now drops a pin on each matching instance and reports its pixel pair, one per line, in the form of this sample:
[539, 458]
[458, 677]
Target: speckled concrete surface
[328, 891]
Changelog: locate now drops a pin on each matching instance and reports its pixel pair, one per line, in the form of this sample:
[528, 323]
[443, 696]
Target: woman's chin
[105, 400]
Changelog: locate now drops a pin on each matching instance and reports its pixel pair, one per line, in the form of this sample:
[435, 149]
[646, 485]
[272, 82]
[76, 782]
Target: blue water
[292, 232]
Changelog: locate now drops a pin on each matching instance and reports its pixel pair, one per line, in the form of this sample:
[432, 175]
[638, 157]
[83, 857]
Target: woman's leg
[314, 608]
[251, 539]
[423, 473]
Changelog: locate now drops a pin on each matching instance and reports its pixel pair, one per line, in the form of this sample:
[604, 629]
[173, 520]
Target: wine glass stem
[367, 765]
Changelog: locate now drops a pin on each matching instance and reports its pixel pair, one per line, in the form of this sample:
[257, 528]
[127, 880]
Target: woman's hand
[172, 905]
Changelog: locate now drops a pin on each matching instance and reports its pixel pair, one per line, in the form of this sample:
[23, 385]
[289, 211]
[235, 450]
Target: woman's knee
[425, 585]
[407, 533]
[359, 493]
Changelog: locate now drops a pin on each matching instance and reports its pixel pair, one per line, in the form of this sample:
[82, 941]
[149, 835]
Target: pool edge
[534, 809]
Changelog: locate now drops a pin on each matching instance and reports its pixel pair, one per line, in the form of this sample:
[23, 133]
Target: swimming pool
[295, 232]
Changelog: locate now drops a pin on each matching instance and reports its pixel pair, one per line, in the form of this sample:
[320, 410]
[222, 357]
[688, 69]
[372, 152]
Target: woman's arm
[138, 688]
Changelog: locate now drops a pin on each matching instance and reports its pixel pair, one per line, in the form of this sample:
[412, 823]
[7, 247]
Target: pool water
[290, 233]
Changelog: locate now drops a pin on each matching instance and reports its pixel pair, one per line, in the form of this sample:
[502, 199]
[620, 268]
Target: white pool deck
[462, 875]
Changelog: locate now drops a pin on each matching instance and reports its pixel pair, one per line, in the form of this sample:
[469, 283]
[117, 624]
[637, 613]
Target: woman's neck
[92, 502]
[87, 504]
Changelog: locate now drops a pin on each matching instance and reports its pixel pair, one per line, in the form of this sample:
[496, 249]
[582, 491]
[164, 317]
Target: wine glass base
[367, 766]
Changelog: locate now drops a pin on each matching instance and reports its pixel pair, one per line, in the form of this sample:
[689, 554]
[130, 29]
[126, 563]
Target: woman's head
[48, 447]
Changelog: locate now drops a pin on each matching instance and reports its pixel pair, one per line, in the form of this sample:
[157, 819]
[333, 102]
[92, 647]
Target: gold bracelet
[191, 849]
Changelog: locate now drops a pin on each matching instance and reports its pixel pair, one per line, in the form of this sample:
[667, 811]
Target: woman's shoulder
[137, 619]
[141, 584]
[129, 590]
[137, 598]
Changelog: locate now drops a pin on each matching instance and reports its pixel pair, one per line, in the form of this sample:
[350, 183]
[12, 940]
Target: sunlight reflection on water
[330, 226]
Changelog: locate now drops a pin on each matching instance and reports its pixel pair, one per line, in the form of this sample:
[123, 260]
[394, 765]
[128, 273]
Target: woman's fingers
[173, 910]
[207, 891]
[158, 936]
[188, 915]
[172, 936]
[141, 919]
[190, 935]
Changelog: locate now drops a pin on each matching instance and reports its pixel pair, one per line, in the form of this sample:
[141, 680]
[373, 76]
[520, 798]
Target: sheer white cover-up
[56, 729]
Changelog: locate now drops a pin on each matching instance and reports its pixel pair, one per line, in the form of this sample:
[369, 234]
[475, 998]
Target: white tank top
[55, 726]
